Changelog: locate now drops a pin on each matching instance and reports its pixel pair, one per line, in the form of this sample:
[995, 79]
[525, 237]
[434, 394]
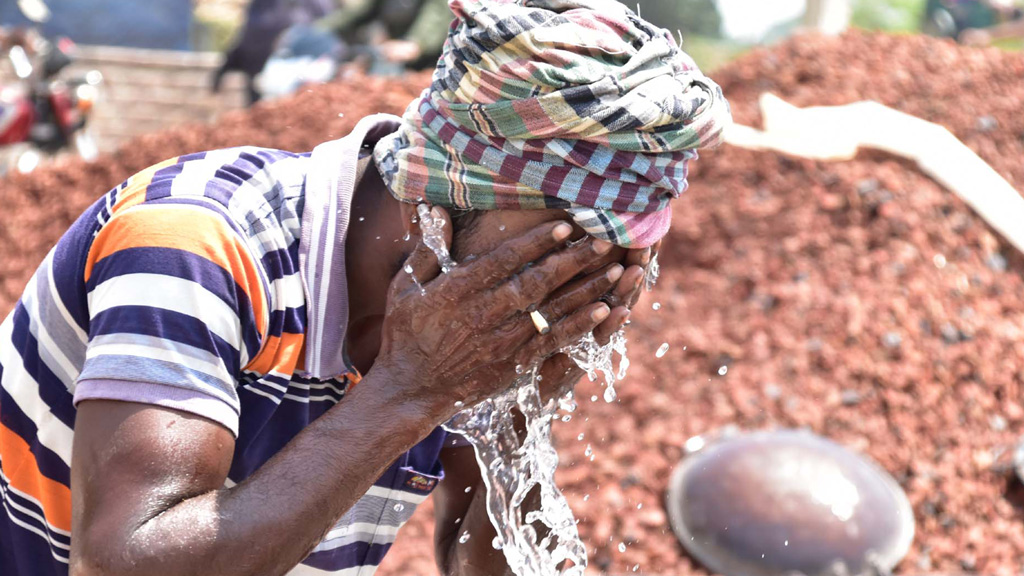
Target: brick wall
[147, 90]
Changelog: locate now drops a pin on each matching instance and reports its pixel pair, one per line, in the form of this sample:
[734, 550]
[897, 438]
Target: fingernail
[646, 258]
[615, 272]
[601, 246]
[600, 314]
[561, 232]
[625, 318]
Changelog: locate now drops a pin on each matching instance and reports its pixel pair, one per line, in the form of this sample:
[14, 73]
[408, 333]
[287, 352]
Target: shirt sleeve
[176, 309]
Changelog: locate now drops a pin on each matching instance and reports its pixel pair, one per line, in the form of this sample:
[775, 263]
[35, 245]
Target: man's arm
[150, 496]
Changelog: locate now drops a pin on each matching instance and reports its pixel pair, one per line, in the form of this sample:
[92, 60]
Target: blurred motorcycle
[41, 112]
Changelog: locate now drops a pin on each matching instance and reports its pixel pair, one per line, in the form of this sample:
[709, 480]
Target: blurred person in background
[264, 23]
[413, 31]
[239, 362]
[973, 21]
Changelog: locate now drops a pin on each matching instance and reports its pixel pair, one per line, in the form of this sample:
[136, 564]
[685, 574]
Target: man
[238, 362]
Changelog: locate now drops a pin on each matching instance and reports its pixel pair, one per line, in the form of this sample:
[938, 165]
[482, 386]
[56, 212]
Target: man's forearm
[270, 522]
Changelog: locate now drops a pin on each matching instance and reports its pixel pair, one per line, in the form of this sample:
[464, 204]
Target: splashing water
[662, 350]
[518, 469]
[433, 237]
[651, 274]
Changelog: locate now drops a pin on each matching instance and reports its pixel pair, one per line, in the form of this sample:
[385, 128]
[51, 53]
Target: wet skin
[148, 494]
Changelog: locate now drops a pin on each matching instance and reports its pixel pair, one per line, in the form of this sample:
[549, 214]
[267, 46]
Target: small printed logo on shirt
[418, 482]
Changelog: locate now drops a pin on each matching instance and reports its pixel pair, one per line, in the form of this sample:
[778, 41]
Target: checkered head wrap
[572, 104]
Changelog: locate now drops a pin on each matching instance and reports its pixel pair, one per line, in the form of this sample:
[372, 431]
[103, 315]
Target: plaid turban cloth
[572, 104]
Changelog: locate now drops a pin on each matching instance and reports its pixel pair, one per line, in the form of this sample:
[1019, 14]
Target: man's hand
[459, 337]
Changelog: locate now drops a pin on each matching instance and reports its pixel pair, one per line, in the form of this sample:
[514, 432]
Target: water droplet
[378, 237]
[723, 370]
[520, 369]
[399, 507]
[539, 378]
[588, 451]
[361, 219]
[652, 273]
[586, 497]
[468, 489]
[580, 437]
[406, 237]
[662, 350]
[408, 269]
[501, 228]
[656, 306]
[786, 543]
[636, 567]
[939, 260]
[459, 404]
[496, 543]
[640, 505]
[566, 418]
[622, 546]
[464, 538]
[593, 398]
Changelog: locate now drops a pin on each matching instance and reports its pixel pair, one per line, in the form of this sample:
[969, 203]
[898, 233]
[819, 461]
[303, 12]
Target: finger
[559, 373]
[420, 267]
[637, 257]
[565, 300]
[571, 298]
[615, 321]
[538, 282]
[509, 258]
[567, 331]
[627, 290]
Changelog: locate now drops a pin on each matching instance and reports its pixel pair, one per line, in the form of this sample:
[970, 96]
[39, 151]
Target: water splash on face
[518, 469]
[433, 237]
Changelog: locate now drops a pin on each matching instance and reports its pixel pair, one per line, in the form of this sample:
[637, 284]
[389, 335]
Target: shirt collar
[330, 185]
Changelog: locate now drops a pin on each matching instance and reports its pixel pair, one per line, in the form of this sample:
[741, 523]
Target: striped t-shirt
[216, 283]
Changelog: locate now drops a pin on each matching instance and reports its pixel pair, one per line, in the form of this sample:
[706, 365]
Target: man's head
[576, 105]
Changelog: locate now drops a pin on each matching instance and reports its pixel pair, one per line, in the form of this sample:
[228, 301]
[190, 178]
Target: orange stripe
[280, 354]
[21, 469]
[135, 192]
[201, 232]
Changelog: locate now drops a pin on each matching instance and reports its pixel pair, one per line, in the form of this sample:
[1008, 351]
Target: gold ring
[540, 322]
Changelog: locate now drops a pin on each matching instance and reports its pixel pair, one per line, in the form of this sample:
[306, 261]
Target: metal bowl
[786, 502]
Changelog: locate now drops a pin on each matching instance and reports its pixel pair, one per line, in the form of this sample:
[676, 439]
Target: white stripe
[52, 433]
[32, 514]
[65, 369]
[303, 570]
[395, 495]
[262, 393]
[356, 528]
[197, 173]
[152, 353]
[82, 336]
[288, 292]
[169, 293]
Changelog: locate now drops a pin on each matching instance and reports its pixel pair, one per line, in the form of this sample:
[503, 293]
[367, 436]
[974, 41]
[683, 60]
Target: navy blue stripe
[50, 464]
[281, 263]
[166, 324]
[162, 180]
[69, 263]
[52, 391]
[290, 320]
[187, 266]
[348, 556]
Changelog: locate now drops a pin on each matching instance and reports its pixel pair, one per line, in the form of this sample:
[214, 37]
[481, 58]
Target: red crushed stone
[819, 285]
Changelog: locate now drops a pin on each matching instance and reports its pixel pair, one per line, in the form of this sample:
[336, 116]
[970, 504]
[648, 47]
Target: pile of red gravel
[858, 299]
